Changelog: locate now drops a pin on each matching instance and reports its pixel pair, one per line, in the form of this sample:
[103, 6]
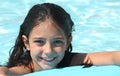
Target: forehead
[47, 27]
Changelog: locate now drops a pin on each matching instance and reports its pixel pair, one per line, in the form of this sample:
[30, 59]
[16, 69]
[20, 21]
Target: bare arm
[97, 58]
[4, 71]
[14, 71]
[105, 58]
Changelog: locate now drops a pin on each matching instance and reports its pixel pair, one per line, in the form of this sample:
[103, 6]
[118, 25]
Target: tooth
[49, 59]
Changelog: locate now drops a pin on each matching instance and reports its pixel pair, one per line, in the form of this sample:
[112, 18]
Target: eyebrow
[38, 38]
[44, 38]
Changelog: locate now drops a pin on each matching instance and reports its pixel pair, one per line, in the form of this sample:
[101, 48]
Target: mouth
[48, 59]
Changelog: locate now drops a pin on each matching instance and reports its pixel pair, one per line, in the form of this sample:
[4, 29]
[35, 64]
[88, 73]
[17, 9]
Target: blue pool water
[97, 23]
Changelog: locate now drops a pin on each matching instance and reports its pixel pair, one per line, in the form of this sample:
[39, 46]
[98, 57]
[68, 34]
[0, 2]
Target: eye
[40, 42]
[58, 42]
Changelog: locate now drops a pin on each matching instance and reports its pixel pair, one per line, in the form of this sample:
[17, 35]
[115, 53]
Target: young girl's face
[47, 45]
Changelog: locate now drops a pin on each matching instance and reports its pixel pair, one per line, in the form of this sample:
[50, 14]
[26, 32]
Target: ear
[26, 42]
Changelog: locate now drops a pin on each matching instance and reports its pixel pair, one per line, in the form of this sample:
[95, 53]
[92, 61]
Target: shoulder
[79, 55]
[74, 54]
[78, 58]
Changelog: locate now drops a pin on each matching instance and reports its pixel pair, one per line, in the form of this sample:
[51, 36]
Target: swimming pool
[97, 23]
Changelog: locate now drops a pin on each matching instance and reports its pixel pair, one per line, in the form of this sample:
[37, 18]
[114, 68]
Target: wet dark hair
[37, 14]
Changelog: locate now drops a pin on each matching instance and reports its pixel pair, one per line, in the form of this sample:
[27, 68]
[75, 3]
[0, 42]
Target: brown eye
[58, 42]
[40, 42]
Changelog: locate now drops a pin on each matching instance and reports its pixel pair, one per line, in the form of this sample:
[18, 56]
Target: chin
[47, 67]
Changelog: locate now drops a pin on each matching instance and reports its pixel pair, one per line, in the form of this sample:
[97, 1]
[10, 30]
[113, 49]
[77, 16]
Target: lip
[48, 59]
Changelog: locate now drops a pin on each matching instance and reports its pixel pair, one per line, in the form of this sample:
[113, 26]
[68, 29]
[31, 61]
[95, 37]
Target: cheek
[60, 51]
[34, 50]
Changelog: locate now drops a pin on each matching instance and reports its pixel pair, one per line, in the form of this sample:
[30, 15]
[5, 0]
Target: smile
[48, 59]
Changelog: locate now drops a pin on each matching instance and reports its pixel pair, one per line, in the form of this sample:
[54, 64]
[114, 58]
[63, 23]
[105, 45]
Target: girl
[44, 42]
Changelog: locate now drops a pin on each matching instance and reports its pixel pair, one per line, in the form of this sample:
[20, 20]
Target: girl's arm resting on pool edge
[97, 58]
[105, 58]
[4, 71]
[14, 71]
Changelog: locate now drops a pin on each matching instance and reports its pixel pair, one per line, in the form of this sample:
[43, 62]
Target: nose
[48, 49]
